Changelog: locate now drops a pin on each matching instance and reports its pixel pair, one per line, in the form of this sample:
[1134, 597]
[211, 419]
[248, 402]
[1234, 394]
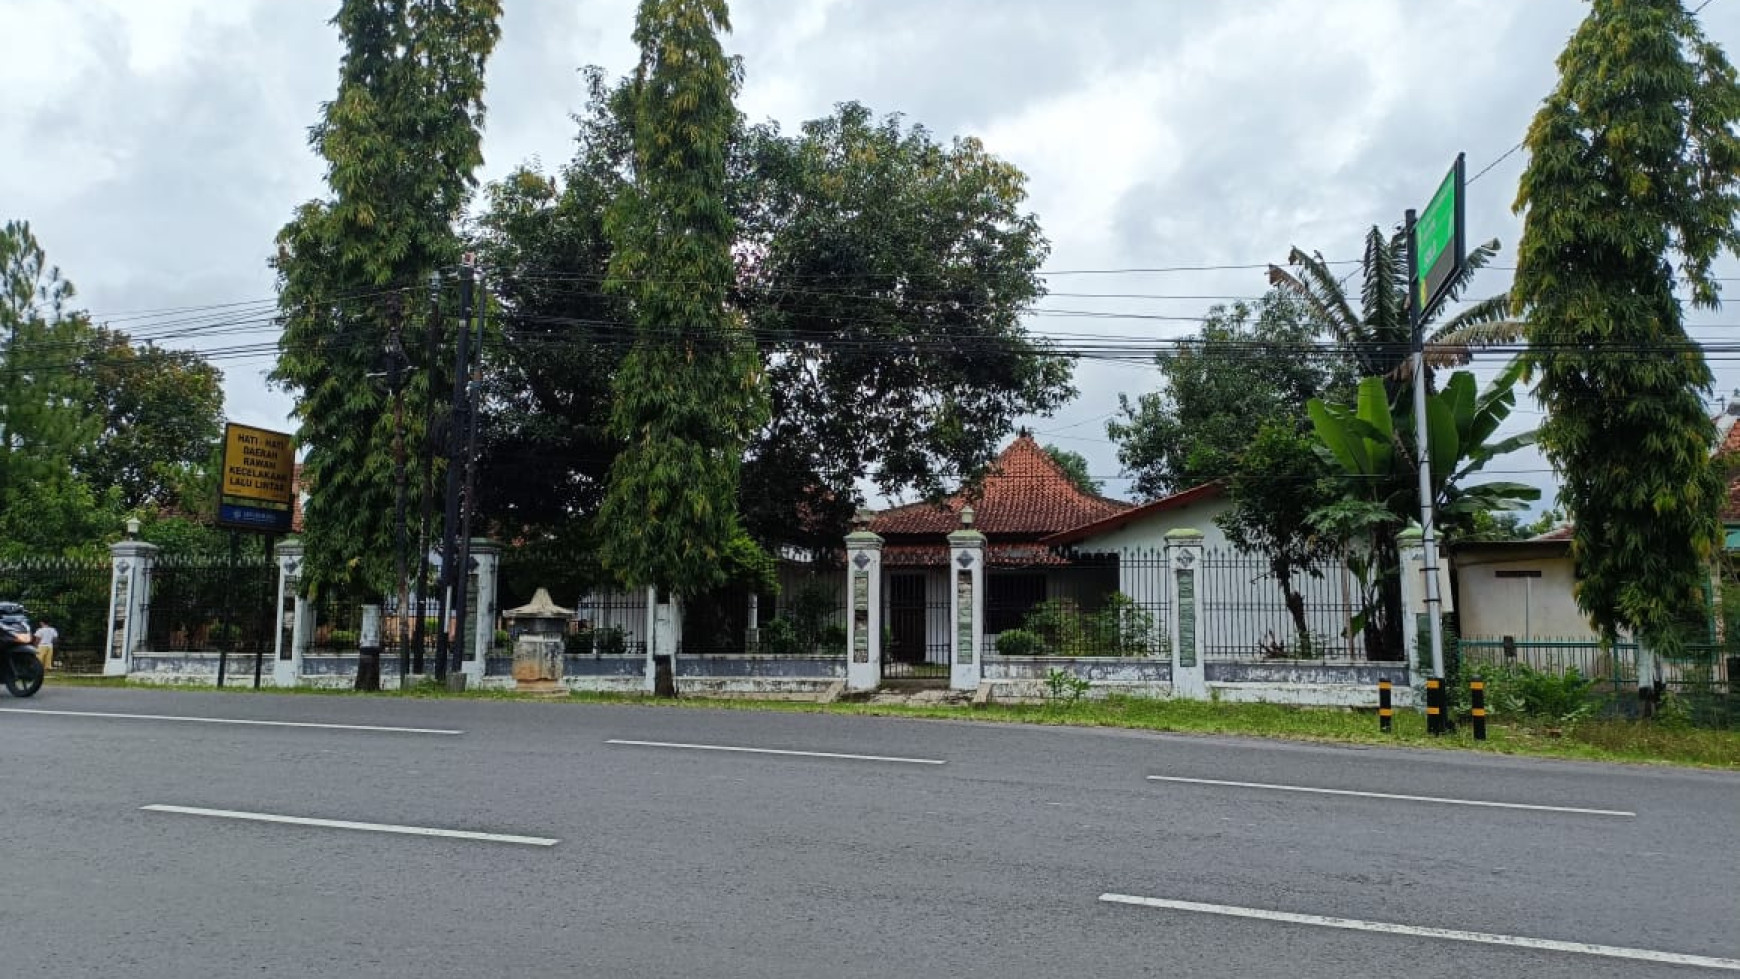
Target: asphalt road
[678, 861]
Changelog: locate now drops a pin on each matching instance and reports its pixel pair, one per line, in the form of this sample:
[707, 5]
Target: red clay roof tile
[1026, 495]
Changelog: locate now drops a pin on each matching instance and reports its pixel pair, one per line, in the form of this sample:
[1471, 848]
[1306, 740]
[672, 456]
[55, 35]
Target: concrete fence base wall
[1025, 678]
[1010, 679]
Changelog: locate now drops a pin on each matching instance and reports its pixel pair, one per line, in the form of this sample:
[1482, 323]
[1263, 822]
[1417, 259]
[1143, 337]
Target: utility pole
[452, 579]
[467, 500]
[426, 503]
[396, 378]
[1423, 450]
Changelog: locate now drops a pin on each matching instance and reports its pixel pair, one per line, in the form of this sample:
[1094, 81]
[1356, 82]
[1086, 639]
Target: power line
[1501, 158]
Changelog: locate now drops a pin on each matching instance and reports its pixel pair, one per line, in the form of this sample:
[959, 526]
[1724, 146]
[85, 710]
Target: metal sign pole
[1423, 450]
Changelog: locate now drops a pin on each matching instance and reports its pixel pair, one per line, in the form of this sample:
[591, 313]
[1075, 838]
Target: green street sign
[1440, 248]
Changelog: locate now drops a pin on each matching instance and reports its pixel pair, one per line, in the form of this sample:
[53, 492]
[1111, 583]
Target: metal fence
[201, 604]
[609, 623]
[72, 594]
[1247, 614]
[1088, 604]
[1704, 678]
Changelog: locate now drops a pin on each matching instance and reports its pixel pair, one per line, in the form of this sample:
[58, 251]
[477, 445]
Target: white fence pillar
[664, 630]
[129, 604]
[486, 566]
[294, 619]
[864, 605]
[1184, 560]
[966, 605]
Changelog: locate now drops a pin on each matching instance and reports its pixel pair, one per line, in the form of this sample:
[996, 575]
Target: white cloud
[158, 146]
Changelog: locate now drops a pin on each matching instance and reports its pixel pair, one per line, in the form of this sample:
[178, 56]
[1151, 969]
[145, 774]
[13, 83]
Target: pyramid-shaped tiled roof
[1025, 496]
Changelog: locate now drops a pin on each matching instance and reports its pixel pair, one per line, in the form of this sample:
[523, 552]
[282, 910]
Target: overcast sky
[156, 146]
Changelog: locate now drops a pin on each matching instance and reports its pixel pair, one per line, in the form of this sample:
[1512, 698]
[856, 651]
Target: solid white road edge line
[231, 720]
[261, 817]
[1391, 795]
[775, 751]
[1387, 928]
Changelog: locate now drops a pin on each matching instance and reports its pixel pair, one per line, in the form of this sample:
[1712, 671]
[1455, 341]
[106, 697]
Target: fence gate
[916, 642]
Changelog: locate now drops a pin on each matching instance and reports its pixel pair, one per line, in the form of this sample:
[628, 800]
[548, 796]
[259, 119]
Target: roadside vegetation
[1592, 738]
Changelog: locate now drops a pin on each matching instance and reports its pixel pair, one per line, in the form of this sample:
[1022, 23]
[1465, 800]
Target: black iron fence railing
[72, 595]
[1248, 612]
[211, 605]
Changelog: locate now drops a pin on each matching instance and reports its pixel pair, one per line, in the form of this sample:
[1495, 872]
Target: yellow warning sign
[259, 466]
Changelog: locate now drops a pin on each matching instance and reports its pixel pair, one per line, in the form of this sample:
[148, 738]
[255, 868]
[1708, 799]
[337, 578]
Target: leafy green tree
[401, 141]
[1276, 483]
[1233, 411]
[1075, 466]
[688, 397]
[883, 273]
[45, 415]
[1249, 365]
[1634, 164]
[1379, 465]
[888, 278]
[162, 412]
[1492, 525]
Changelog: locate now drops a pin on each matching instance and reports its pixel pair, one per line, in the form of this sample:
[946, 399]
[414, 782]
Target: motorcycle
[20, 669]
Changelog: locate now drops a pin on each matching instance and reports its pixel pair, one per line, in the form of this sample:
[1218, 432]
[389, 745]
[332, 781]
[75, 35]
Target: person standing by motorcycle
[46, 636]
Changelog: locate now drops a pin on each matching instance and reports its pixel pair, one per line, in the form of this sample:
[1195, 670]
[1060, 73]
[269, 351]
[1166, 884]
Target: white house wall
[1541, 608]
[1150, 531]
[1242, 606]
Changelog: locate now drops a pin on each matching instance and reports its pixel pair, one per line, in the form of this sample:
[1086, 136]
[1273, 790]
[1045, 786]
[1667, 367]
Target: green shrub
[343, 638]
[610, 642]
[1122, 627]
[1020, 642]
[1063, 688]
[1519, 690]
[1555, 696]
[578, 643]
[502, 639]
[779, 637]
[832, 641]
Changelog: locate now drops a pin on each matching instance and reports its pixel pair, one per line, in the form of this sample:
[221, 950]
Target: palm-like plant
[1378, 333]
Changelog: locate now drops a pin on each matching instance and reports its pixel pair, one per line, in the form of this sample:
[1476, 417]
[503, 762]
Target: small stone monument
[538, 650]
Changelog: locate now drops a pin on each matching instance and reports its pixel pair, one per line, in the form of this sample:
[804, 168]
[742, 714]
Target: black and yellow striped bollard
[1477, 700]
[1435, 705]
[1385, 712]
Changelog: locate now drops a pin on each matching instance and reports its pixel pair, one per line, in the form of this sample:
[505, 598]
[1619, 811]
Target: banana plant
[1376, 453]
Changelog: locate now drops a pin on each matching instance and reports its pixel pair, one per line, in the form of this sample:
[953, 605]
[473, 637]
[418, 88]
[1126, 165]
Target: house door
[905, 619]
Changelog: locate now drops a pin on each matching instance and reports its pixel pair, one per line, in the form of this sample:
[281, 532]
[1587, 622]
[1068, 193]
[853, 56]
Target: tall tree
[162, 411]
[1634, 163]
[890, 275]
[883, 273]
[1247, 366]
[688, 397]
[401, 141]
[45, 415]
[1233, 411]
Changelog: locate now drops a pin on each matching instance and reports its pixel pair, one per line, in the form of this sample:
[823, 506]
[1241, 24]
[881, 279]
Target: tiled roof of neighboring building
[1026, 495]
[1729, 448]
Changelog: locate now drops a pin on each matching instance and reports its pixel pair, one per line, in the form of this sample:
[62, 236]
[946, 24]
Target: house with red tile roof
[1024, 499]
